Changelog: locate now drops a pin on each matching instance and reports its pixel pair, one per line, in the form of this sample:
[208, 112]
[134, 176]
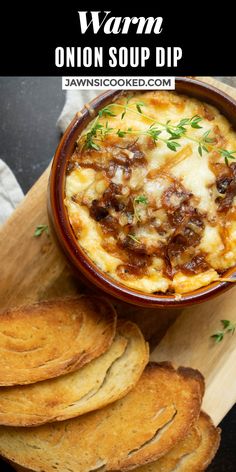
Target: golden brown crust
[194, 453]
[102, 381]
[145, 197]
[185, 372]
[194, 373]
[183, 379]
[209, 445]
[29, 347]
[139, 428]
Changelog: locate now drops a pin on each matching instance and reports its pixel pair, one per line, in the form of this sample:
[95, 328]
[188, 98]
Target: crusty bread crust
[51, 338]
[207, 450]
[137, 429]
[193, 454]
[185, 386]
[104, 380]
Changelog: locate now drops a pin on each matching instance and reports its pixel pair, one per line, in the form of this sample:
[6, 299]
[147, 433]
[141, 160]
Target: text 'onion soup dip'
[151, 192]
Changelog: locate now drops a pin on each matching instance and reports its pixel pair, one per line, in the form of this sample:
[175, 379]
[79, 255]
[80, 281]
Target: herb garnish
[131, 236]
[155, 130]
[96, 128]
[137, 200]
[125, 107]
[228, 327]
[106, 112]
[141, 199]
[139, 105]
[40, 229]
[227, 155]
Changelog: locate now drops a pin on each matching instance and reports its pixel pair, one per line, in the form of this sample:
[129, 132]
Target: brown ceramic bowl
[80, 262]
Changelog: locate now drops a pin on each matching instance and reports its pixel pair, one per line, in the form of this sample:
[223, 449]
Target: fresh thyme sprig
[106, 112]
[95, 130]
[126, 108]
[205, 139]
[176, 132]
[228, 327]
[89, 142]
[227, 155]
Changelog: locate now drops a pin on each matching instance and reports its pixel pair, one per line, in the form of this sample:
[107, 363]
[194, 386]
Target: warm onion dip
[151, 192]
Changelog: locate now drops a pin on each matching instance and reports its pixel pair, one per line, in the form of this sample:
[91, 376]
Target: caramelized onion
[174, 196]
[196, 265]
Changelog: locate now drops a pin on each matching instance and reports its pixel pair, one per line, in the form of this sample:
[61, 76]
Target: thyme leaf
[227, 155]
[194, 121]
[173, 145]
[139, 105]
[141, 199]
[227, 327]
[106, 112]
[121, 133]
[40, 229]
[153, 132]
[218, 336]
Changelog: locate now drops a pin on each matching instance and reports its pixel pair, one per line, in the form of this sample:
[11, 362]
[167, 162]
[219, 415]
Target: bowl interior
[59, 217]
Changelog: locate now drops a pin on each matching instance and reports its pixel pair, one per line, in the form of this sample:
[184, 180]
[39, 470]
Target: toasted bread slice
[194, 453]
[102, 381]
[137, 429]
[52, 338]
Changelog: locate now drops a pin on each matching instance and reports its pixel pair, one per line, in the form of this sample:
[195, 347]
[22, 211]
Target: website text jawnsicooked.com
[125, 83]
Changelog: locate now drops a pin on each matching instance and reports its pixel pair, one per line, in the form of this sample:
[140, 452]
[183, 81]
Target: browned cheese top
[150, 192]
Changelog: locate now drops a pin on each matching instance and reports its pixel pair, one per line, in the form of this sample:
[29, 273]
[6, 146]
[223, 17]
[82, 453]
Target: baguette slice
[137, 429]
[102, 381]
[194, 453]
[52, 338]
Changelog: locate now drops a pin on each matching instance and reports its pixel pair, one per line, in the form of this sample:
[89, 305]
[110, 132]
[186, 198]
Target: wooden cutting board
[33, 269]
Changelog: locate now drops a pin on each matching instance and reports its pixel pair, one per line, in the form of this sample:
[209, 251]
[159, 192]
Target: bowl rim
[59, 219]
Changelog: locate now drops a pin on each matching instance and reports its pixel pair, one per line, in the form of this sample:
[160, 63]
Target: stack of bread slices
[78, 395]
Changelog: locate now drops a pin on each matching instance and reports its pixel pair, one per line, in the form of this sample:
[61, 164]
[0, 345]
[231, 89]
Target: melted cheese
[186, 166]
[184, 284]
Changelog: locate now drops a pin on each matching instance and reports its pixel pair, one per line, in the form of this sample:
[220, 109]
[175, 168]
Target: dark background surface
[28, 138]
